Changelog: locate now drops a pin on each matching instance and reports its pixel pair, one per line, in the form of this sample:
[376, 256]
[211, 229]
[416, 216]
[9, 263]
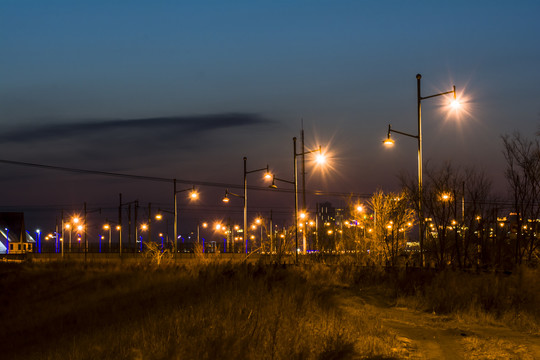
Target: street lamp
[193, 195]
[204, 225]
[38, 233]
[389, 141]
[320, 160]
[105, 227]
[119, 229]
[267, 176]
[226, 200]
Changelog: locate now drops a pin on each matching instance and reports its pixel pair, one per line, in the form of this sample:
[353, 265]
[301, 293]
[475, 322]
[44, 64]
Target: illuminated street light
[295, 183]
[109, 229]
[389, 142]
[446, 197]
[204, 225]
[193, 195]
[267, 176]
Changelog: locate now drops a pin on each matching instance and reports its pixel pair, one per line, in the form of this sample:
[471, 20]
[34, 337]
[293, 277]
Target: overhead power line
[170, 180]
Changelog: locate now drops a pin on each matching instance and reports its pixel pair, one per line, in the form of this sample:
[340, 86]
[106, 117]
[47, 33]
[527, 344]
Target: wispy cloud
[133, 128]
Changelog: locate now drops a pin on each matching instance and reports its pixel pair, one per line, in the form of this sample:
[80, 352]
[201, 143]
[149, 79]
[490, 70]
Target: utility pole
[149, 223]
[136, 226]
[129, 226]
[120, 224]
[271, 232]
[303, 189]
[62, 233]
[85, 229]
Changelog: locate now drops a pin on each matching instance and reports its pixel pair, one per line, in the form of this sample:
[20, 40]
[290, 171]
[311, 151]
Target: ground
[431, 336]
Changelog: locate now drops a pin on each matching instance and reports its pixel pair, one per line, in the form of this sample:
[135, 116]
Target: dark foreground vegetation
[224, 310]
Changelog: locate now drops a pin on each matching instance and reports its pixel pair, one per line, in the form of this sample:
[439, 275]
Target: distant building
[326, 213]
[13, 236]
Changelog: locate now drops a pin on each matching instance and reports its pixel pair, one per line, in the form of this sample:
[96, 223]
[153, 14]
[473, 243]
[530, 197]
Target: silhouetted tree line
[466, 224]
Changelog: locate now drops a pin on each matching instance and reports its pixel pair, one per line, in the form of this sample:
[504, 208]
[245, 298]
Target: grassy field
[225, 310]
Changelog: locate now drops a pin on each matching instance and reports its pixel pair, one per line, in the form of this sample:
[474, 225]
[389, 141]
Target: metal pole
[303, 190]
[149, 224]
[62, 233]
[245, 206]
[295, 203]
[136, 226]
[317, 228]
[129, 228]
[85, 230]
[120, 224]
[271, 233]
[175, 231]
[120, 241]
[420, 194]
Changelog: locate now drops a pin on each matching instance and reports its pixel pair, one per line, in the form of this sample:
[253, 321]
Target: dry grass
[494, 349]
[210, 309]
[205, 310]
[494, 298]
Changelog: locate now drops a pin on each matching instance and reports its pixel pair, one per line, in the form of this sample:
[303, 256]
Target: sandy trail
[431, 336]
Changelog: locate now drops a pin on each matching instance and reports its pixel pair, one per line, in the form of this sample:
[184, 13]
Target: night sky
[185, 90]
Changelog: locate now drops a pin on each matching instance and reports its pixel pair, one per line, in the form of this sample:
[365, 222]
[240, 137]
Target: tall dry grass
[509, 298]
[205, 310]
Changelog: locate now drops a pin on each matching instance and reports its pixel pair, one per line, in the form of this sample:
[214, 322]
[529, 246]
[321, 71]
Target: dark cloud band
[185, 124]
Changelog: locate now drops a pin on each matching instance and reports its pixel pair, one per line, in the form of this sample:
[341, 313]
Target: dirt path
[430, 336]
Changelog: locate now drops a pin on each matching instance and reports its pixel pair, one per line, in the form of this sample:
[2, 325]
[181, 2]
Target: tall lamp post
[295, 183]
[226, 199]
[193, 195]
[389, 141]
[108, 228]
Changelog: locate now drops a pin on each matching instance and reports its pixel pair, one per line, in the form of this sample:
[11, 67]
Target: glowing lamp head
[106, 227]
[193, 195]
[268, 176]
[159, 216]
[359, 208]
[320, 159]
[225, 199]
[445, 197]
[389, 141]
[273, 185]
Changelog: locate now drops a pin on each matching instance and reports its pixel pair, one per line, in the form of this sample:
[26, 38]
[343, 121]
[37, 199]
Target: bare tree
[458, 211]
[523, 176]
[393, 217]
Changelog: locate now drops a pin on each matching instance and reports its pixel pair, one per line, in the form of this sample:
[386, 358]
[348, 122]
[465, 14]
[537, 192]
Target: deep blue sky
[79, 79]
